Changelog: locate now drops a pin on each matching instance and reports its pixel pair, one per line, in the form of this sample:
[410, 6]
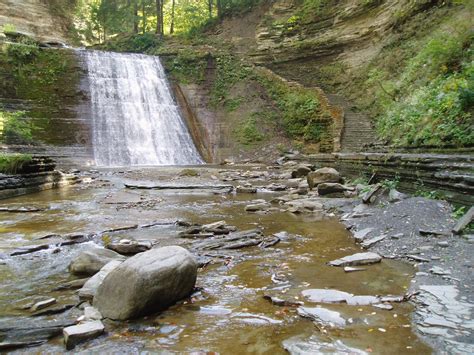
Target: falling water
[135, 120]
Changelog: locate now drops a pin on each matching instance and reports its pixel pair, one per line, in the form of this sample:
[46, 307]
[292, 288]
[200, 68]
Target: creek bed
[229, 315]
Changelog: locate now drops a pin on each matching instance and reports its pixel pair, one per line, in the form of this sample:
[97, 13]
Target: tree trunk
[219, 8]
[159, 15]
[135, 16]
[209, 3]
[162, 3]
[172, 18]
[143, 17]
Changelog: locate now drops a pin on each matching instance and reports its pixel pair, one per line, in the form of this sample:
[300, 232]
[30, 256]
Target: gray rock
[326, 296]
[89, 289]
[360, 235]
[300, 171]
[357, 259]
[91, 261]
[353, 269]
[92, 313]
[371, 195]
[327, 188]
[82, 332]
[322, 316]
[129, 247]
[322, 175]
[146, 283]
[372, 241]
[395, 196]
[261, 206]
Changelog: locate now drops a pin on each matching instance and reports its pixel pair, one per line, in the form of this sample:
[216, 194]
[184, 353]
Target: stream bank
[251, 294]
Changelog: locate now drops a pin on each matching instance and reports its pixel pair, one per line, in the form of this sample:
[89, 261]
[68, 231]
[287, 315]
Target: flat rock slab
[357, 259]
[322, 316]
[326, 296]
[43, 304]
[82, 332]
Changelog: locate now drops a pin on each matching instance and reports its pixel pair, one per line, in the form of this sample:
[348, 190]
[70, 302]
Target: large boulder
[89, 289]
[91, 261]
[322, 175]
[146, 283]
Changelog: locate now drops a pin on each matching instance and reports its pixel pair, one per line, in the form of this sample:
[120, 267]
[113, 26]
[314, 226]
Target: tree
[172, 17]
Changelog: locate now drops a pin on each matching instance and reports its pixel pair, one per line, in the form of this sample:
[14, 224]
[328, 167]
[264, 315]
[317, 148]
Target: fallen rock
[72, 285]
[322, 175]
[395, 196]
[372, 241]
[322, 316]
[129, 247]
[303, 206]
[92, 313]
[357, 259]
[327, 188]
[91, 261]
[82, 332]
[371, 195]
[146, 283]
[89, 289]
[300, 171]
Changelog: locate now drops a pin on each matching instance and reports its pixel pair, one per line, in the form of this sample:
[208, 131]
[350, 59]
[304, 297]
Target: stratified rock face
[33, 18]
[146, 283]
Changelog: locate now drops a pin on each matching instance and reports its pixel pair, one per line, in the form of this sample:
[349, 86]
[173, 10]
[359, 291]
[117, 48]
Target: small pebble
[443, 244]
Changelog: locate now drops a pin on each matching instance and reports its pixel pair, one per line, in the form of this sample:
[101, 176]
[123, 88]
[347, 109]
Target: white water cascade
[135, 120]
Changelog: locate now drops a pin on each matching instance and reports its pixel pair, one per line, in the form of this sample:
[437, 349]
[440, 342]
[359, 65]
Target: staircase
[358, 131]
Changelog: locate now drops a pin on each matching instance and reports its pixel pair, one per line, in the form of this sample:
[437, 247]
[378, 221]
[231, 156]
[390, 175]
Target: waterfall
[134, 117]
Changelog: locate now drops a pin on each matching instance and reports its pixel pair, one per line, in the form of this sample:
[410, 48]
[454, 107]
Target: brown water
[230, 315]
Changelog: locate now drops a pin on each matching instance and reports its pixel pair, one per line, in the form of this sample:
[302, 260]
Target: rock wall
[34, 18]
[52, 90]
[450, 175]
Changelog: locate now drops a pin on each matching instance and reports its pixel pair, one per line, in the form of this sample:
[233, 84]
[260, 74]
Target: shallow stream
[229, 315]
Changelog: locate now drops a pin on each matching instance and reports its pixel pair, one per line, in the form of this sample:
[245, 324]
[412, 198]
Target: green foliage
[13, 127]
[302, 115]
[233, 104]
[189, 172]
[22, 52]
[12, 163]
[188, 67]
[458, 212]
[229, 71]
[248, 132]
[134, 43]
[391, 183]
[8, 28]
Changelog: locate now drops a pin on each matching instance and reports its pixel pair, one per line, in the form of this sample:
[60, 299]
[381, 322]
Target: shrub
[13, 127]
[12, 163]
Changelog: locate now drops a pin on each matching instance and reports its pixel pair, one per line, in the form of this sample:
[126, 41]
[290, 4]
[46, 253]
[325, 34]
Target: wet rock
[323, 175]
[363, 300]
[326, 296]
[89, 289]
[327, 188]
[169, 274]
[256, 319]
[357, 259]
[53, 310]
[91, 261]
[129, 247]
[121, 228]
[29, 249]
[282, 300]
[299, 345]
[303, 206]
[79, 333]
[353, 269]
[464, 221]
[322, 316]
[246, 189]
[432, 232]
[277, 187]
[220, 227]
[385, 306]
[257, 207]
[300, 171]
[72, 285]
[303, 188]
[43, 304]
